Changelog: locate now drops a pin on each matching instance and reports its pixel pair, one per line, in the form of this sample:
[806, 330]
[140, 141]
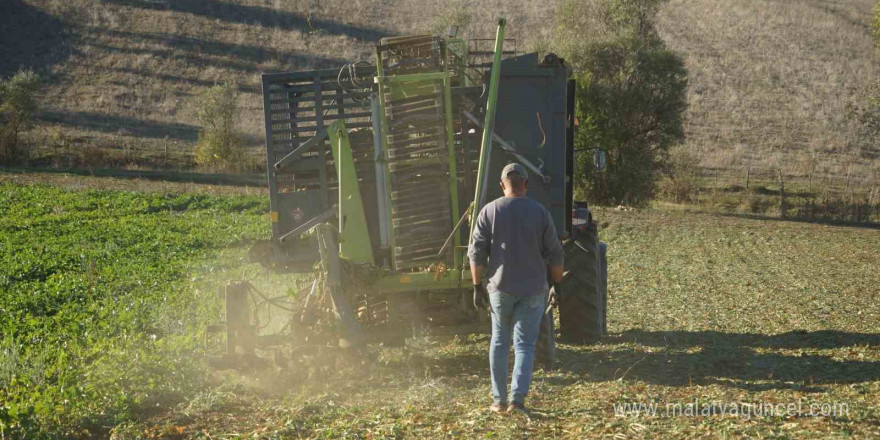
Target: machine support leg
[329, 250]
[239, 331]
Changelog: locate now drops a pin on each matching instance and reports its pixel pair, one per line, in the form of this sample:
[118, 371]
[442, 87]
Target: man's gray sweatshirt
[516, 236]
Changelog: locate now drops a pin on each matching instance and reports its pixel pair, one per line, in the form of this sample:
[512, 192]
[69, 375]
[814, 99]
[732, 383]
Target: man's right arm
[553, 253]
[477, 272]
[556, 273]
[478, 253]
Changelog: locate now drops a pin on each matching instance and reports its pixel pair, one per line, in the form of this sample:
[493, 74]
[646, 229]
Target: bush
[680, 183]
[756, 204]
[631, 95]
[220, 145]
[18, 103]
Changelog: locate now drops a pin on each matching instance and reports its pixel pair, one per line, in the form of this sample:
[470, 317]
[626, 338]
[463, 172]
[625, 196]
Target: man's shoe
[517, 407]
[497, 407]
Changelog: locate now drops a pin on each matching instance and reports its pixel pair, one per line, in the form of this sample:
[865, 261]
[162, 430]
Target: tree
[220, 145]
[631, 95]
[18, 103]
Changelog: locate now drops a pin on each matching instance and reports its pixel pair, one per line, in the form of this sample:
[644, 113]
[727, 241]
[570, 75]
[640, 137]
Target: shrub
[631, 95]
[864, 113]
[220, 145]
[93, 156]
[722, 202]
[18, 103]
[57, 139]
[680, 183]
[757, 204]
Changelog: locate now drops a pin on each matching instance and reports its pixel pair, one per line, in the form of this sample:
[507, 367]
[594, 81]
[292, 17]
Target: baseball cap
[514, 170]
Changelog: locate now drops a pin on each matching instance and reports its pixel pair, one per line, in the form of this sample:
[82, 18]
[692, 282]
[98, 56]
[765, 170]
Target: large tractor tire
[545, 347]
[582, 308]
[603, 284]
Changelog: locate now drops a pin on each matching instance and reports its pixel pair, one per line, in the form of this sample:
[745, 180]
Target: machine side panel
[296, 107]
[532, 115]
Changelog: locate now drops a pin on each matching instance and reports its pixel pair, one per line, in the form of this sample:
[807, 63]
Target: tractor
[375, 172]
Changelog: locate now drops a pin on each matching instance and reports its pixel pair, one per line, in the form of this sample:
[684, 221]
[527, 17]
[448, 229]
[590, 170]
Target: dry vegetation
[132, 68]
[771, 82]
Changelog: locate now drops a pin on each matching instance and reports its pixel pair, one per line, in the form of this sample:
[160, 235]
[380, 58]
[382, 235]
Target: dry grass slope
[128, 81]
[770, 80]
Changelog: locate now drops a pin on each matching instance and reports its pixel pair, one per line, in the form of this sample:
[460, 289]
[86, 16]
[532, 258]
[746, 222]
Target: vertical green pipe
[488, 125]
[450, 143]
[380, 76]
[379, 166]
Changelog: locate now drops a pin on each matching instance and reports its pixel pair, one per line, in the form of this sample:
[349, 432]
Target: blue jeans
[519, 316]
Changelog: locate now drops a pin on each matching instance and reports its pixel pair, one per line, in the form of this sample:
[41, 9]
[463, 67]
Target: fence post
[782, 207]
[828, 184]
[748, 175]
[715, 185]
[810, 190]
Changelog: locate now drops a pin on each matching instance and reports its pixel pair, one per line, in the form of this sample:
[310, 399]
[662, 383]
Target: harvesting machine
[374, 172]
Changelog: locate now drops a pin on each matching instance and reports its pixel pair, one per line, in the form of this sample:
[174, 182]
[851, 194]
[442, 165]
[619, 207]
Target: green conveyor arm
[488, 126]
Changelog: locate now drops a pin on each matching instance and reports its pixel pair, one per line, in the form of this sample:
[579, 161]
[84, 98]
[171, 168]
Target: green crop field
[99, 310]
[105, 294]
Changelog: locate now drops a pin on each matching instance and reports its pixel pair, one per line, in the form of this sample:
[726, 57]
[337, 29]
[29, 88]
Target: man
[515, 243]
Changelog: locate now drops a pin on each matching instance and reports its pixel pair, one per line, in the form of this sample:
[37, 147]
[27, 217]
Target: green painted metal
[412, 77]
[406, 86]
[380, 72]
[450, 145]
[354, 235]
[427, 280]
[458, 48]
[327, 247]
[489, 124]
[423, 161]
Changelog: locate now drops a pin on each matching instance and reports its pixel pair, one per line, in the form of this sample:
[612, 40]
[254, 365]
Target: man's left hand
[555, 295]
[481, 298]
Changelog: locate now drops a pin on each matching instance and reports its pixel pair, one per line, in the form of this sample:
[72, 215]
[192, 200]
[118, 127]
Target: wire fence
[851, 185]
[850, 197]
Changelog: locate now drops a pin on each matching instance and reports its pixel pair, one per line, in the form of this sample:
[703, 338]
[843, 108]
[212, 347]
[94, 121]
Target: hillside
[770, 81]
[127, 71]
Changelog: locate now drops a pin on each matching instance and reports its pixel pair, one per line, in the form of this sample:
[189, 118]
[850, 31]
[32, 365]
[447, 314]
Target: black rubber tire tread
[545, 347]
[603, 284]
[581, 311]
